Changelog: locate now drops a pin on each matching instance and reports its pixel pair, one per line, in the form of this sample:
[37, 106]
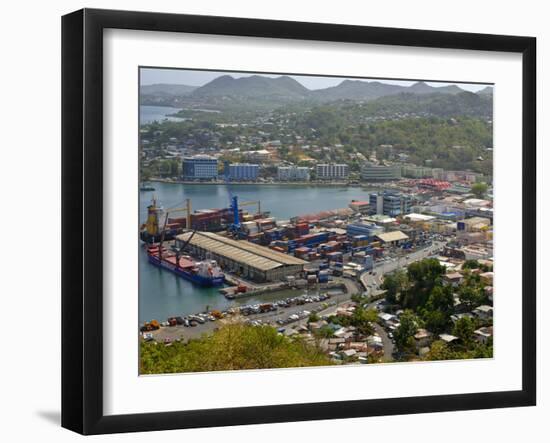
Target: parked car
[148, 336]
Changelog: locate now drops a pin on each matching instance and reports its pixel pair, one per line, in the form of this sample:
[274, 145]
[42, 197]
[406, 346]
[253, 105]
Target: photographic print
[305, 220]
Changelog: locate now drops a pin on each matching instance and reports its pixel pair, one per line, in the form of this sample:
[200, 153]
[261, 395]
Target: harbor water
[149, 114]
[163, 294]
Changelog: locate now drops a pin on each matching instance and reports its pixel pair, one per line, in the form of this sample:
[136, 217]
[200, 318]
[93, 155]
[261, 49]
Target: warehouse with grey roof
[242, 258]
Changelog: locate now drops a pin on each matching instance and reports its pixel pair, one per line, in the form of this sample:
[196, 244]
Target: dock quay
[232, 292]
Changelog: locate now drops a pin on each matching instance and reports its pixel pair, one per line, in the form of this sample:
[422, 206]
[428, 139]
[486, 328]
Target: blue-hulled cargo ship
[203, 273]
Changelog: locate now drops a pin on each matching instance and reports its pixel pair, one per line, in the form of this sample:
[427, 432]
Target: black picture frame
[82, 189]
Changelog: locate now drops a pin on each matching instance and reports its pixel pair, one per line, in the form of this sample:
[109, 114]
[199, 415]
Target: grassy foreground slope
[232, 347]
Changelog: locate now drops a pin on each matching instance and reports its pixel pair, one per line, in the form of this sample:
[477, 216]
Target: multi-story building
[331, 171]
[261, 155]
[292, 173]
[473, 224]
[390, 203]
[200, 167]
[372, 172]
[413, 171]
[363, 228]
[243, 171]
[452, 176]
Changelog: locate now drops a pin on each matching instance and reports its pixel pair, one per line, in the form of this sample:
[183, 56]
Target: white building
[373, 172]
[332, 171]
[292, 173]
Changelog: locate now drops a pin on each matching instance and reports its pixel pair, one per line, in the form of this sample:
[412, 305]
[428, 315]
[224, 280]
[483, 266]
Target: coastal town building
[200, 167]
[390, 203]
[359, 206]
[482, 335]
[414, 171]
[473, 224]
[332, 171]
[243, 171]
[392, 238]
[468, 177]
[372, 172]
[260, 155]
[370, 230]
[293, 173]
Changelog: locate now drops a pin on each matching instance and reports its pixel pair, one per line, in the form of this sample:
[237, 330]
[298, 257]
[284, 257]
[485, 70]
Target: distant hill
[255, 86]
[436, 104]
[356, 90]
[488, 90]
[261, 92]
[365, 91]
[424, 88]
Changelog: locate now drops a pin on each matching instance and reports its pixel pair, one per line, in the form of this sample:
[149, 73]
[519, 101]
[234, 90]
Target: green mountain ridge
[260, 92]
[253, 87]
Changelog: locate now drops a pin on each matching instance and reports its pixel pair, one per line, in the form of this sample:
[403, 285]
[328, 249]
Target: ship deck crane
[186, 209]
[253, 203]
[182, 248]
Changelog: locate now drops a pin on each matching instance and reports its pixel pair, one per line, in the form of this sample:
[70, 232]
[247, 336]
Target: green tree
[325, 332]
[479, 189]
[439, 351]
[441, 299]
[470, 295]
[423, 277]
[464, 330]
[363, 320]
[174, 168]
[483, 351]
[470, 264]
[438, 309]
[234, 346]
[409, 324]
[436, 321]
[394, 284]
[358, 298]
[313, 317]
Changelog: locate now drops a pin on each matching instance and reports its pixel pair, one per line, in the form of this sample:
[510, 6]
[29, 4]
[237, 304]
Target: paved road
[387, 342]
[388, 267]
[372, 283]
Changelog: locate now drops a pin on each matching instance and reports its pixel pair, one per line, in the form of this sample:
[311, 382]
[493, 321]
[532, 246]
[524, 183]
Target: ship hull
[193, 278]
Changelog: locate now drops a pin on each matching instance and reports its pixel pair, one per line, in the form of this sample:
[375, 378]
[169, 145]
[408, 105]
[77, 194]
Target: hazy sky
[151, 76]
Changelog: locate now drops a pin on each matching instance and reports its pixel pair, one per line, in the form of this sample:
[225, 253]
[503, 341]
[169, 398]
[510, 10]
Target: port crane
[235, 227]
